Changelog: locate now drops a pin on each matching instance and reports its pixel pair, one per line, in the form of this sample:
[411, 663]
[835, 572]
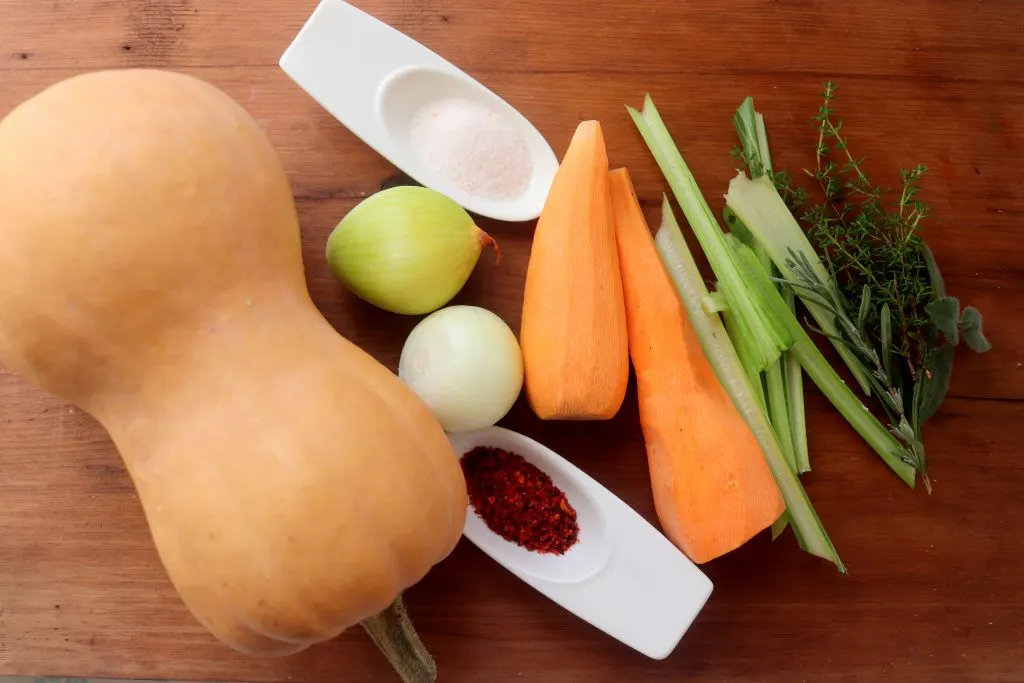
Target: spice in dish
[519, 502]
[472, 146]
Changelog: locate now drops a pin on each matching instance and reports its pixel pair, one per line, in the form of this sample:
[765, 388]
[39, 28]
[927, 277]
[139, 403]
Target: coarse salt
[470, 145]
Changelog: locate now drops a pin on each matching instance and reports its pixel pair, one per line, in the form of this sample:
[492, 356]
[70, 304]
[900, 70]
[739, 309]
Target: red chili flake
[519, 502]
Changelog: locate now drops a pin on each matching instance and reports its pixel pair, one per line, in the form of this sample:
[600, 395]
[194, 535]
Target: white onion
[465, 363]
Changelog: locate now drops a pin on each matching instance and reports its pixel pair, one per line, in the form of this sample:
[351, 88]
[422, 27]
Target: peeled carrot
[573, 332]
[712, 487]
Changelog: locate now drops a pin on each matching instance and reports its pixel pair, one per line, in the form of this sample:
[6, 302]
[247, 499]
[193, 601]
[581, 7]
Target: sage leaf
[933, 382]
[945, 315]
[970, 326]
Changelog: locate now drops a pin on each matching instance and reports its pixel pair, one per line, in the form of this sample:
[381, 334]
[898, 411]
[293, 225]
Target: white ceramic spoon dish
[374, 79]
[622, 575]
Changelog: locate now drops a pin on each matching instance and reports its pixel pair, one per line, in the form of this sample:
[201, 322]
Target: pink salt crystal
[468, 145]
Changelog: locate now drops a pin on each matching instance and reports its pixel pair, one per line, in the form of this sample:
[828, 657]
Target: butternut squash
[573, 332]
[151, 272]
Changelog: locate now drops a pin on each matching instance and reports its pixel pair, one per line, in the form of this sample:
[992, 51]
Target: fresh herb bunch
[867, 243]
[889, 300]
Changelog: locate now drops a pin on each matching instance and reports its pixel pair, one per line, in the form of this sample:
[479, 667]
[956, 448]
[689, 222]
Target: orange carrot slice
[573, 333]
[712, 487]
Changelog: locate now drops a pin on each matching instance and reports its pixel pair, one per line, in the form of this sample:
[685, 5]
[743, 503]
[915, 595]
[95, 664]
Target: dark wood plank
[934, 592]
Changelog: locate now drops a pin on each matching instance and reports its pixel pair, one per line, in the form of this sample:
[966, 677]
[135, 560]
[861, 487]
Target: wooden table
[935, 590]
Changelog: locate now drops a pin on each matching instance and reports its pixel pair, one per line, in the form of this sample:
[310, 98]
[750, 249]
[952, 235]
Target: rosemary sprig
[875, 368]
[865, 243]
[889, 301]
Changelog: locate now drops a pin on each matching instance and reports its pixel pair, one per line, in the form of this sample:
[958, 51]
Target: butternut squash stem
[395, 636]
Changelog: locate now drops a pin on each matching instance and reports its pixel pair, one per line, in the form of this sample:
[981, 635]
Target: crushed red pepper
[519, 502]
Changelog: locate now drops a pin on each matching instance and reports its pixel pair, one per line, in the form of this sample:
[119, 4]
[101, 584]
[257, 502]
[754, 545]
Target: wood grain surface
[935, 591]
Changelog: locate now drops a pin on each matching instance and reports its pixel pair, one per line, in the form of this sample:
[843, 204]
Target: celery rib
[766, 339]
[800, 514]
[741, 341]
[681, 266]
[817, 367]
[795, 397]
[788, 408]
[753, 134]
[714, 303]
[757, 203]
[778, 412]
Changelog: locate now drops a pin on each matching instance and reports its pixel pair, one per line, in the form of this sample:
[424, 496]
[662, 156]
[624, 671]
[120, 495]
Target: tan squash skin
[151, 272]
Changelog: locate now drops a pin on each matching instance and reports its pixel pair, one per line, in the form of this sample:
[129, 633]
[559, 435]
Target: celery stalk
[856, 413]
[767, 339]
[714, 303]
[786, 410]
[744, 350]
[778, 411]
[795, 397]
[779, 525]
[679, 262]
[757, 203]
[762, 139]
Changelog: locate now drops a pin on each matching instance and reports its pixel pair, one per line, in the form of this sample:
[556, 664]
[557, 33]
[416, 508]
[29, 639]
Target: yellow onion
[406, 249]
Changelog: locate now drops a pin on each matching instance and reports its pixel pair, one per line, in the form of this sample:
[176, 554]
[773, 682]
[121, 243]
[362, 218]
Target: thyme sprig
[866, 242]
[888, 298]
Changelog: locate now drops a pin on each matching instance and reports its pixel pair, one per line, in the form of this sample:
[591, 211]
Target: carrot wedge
[713, 489]
[573, 332]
